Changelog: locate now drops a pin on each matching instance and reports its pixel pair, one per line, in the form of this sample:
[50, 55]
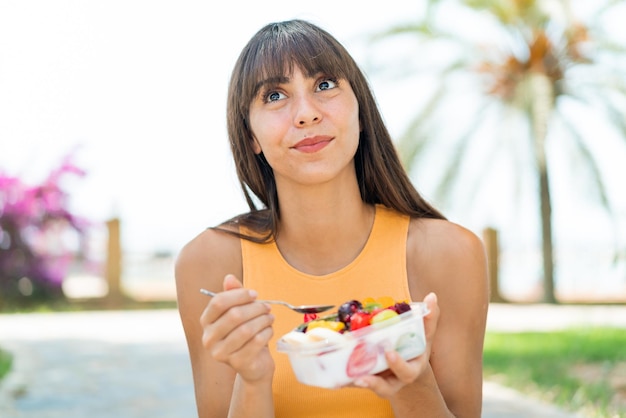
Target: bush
[37, 232]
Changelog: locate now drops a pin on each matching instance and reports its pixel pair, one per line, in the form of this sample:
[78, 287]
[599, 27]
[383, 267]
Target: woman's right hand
[237, 329]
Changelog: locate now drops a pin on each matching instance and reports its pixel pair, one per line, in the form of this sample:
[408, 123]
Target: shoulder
[442, 239]
[205, 261]
[445, 257]
[209, 245]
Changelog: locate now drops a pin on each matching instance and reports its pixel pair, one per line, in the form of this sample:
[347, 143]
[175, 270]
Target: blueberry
[347, 309]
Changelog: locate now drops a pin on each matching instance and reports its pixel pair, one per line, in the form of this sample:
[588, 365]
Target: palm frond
[617, 117]
[607, 7]
[454, 166]
[607, 91]
[414, 140]
[591, 165]
[596, 177]
[506, 128]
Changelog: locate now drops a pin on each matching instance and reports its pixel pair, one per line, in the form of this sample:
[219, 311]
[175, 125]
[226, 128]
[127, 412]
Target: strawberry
[360, 319]
[362, 360]
[308, 317]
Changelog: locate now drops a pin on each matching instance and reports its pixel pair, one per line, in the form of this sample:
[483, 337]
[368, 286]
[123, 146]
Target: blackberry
[401, 307]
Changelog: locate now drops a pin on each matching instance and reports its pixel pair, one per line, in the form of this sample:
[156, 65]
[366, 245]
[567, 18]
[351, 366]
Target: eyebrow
[272, 81]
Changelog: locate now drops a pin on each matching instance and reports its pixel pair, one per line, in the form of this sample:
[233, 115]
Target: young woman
[333, 217]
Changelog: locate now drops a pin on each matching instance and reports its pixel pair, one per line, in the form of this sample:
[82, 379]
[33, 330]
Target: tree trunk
[490, 239]
[113, 271]
[541, 106]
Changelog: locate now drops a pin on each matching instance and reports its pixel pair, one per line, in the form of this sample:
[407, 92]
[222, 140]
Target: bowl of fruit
[333, 350]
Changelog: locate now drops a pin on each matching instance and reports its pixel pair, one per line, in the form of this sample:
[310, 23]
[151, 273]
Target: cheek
[356, 122]
[256, 132]
[260, 129]
[268, 133]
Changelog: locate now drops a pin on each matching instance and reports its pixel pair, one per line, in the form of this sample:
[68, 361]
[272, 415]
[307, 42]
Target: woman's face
[306, 127]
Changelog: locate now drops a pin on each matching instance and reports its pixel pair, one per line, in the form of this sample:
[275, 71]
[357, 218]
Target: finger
[223, 301]
[230, 282]
[385, 387]
[248, 355]
[432, 318]
[222, 326]
[248, 334]
[405, 371]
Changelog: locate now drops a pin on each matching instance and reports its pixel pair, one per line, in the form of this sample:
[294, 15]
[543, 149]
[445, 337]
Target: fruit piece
[372, 306]
[360, 319]
[375, 311]
[386, 315]
[368, 301]
[386, 301]
[401, 307]
[332, 325]
[297, 338]
[353, 310]
[325, 334]
[362, 360]
[347, 309]
[308, 317]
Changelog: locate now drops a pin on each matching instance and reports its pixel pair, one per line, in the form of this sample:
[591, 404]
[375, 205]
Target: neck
[323, 230]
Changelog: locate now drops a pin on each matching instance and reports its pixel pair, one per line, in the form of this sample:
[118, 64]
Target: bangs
[282, 49]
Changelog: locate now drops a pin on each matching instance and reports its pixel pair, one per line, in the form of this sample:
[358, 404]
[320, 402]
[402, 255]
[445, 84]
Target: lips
[312, 144]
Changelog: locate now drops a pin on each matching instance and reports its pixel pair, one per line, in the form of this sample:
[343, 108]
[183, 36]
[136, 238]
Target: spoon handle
[207, 292]
[275, 302]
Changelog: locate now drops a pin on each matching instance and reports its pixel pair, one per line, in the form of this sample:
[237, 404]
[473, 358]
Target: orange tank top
[379, 270]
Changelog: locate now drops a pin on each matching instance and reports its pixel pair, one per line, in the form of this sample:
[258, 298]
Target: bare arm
[450, 261]
[446, 381]
[222, 332]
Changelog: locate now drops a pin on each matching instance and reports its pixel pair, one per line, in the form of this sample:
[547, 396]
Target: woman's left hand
[401, 372]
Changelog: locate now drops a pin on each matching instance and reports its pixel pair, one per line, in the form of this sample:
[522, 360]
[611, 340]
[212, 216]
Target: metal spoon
[302, 308]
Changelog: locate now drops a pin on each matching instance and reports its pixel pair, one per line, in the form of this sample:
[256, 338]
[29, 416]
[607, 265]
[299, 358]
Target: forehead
[285, 78]
[276, 71]
[276, 61]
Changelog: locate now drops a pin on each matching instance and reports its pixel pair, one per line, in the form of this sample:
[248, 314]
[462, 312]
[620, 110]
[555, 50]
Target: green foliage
[6, 360]
[573, 368]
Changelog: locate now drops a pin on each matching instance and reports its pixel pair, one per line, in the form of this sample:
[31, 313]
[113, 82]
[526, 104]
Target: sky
[138, 88]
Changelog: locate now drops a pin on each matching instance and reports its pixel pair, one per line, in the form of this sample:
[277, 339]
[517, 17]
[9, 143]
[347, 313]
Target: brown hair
[274, 51]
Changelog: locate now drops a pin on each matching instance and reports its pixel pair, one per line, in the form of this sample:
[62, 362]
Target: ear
[256, 147]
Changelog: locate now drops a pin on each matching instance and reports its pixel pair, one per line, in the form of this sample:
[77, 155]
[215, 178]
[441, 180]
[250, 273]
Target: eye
[273, 96]
[327, 84]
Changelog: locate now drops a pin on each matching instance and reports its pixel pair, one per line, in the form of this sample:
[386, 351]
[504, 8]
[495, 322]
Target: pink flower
[33, 221]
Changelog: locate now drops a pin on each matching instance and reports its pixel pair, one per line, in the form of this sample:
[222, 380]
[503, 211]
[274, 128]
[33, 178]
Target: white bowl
[332, 364]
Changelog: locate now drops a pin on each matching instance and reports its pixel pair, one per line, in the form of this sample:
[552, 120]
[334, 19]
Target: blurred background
[113, 113]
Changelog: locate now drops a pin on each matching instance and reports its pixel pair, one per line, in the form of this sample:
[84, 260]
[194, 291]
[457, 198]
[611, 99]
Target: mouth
[312, 144]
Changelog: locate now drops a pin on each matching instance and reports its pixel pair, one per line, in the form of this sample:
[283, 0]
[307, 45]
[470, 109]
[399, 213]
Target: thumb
[231, 282]
[431, 320]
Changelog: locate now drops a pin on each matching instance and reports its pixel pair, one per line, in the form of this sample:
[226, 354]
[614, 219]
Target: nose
[306, 111]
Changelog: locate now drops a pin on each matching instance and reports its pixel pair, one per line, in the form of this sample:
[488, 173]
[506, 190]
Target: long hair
[275, 50]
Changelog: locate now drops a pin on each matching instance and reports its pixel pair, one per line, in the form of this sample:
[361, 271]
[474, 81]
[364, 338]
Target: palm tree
[539, 69]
